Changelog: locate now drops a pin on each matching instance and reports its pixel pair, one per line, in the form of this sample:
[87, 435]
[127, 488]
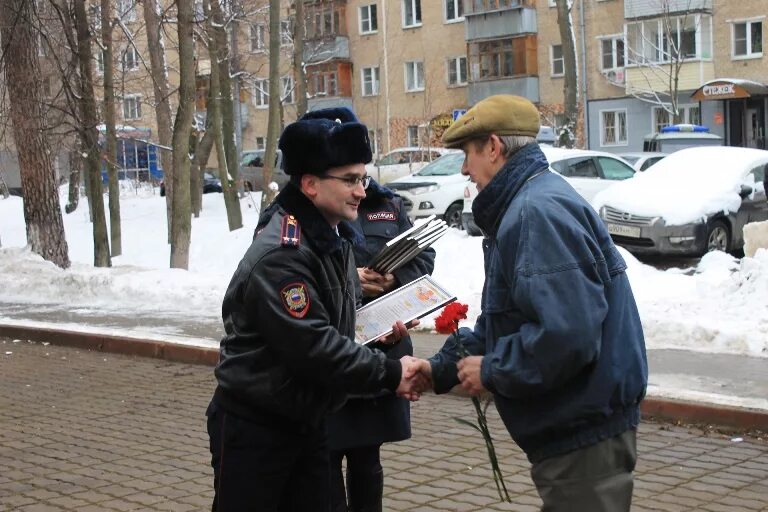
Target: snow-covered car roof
[687, 185]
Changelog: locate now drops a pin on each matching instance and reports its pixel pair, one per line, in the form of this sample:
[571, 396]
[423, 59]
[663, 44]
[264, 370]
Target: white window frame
[286, 32]
[616, 127]
[415, 8]
[260, 32]
[685, 110]
[260, 93]
[412, 136]
[126, 10]
[454, 63]
[371, 18]
[552, 61]
[614, 39]
[287, 90]
[747, 27]
[131, 113]
[416, 68]
[373, 81]
[134, 61]
[455, 16]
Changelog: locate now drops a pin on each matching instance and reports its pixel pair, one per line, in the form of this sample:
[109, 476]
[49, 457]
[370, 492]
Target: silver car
[693, 201]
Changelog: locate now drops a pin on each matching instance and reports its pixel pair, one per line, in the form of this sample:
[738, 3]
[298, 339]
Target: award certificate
[413, 300]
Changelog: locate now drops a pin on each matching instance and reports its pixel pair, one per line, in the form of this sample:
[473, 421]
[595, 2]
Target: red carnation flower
[448, 319]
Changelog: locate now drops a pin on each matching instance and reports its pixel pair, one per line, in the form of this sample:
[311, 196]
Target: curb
[656, 407]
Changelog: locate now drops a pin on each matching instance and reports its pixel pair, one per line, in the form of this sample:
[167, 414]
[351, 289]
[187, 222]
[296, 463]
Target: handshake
[416, 378]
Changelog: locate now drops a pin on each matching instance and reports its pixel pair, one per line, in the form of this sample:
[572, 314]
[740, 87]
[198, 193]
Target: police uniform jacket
[289, 314]
[560, 334]
[382, 417]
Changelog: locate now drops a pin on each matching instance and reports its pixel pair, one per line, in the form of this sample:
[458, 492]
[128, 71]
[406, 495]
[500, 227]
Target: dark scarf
[311, 221]
[491, 203]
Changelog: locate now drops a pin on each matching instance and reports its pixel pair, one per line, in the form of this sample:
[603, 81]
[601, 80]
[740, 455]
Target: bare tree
[109, 132]
[42, 211]
[273, 126]
[181, 222]
[156, 47]
[89, 136]
[299, 35]
[570, 84]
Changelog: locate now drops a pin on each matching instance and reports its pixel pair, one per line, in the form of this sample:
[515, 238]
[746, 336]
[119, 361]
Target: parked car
[588, 172]
[210, 184]
[437, 189]
[252, 170]
[680, 136]
[402, 162]
[694, 201]
[642, 160]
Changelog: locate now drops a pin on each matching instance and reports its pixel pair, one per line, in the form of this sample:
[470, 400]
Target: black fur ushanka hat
[323, 139]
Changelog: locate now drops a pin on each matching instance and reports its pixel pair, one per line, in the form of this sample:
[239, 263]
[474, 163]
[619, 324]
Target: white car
[402, 162]
[588, 172]
[642, 160]
[437, 189]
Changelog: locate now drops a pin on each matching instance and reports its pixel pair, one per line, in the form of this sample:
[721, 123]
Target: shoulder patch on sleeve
[290, 232]
[295, 297]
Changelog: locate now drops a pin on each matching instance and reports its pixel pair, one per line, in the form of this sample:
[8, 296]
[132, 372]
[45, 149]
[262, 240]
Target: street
[90, 431]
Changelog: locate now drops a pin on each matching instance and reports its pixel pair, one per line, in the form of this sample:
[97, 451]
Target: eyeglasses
[351, 181]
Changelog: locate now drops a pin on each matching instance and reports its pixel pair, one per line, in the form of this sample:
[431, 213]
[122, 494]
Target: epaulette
[290, 232]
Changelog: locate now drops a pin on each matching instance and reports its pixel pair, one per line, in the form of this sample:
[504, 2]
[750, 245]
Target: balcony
[643, 79]
[526, 86]
[501, 23]
[326, 49]
[653, 8]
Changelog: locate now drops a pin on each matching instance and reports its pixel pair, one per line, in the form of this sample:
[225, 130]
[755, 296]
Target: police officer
[288, 357]
[358, 430]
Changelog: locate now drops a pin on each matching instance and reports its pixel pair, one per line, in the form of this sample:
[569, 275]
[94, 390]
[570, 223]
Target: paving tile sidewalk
[90, 431]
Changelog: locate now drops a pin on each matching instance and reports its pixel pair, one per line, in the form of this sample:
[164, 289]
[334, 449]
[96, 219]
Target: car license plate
[618, 229]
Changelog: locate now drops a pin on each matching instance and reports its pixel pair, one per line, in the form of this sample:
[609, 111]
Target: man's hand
[399, 331]
[469, 374]
[414, 380]
[375, 284]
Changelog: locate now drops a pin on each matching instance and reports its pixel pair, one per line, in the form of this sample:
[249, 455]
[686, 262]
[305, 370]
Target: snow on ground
[719, 307]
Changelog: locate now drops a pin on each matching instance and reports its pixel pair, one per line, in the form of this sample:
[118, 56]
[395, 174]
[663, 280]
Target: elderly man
[559, 342]
[288, 357]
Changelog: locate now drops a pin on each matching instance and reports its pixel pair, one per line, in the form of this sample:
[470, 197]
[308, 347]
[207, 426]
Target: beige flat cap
[503, 114]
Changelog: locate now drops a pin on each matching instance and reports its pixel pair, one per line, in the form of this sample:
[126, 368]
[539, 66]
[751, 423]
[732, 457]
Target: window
[370, 78]
[412, 136]
[577, 167]
[612, 50]
[130, 59]
[457, 71]
[454, 10]
[669, 39]
[325, 84]
[257, 37]
[688, 114]
[261, 142]
[94, 17]
[373, 137]
[43, 49]
[414, 76]
[199, 14]
[748, 39]
[288, 89]
[125, 10]
[286, 32]
[411, 13]
[132, 106]
[556, 60]
[261, 93]
[368, 21]
[99, 56]
[502, 58]
[613, 127]
[614, 169]
[325, 19]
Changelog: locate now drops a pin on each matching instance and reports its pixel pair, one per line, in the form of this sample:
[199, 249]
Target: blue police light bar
[676, 128]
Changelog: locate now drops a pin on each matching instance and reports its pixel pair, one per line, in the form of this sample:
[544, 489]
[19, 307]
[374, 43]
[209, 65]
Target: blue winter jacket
[564, 354]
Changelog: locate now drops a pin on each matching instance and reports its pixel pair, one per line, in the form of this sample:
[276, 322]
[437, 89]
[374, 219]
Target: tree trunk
[273, 126]
[195, 176]
[181, 222]
[75, 164]
[159, 68]
[299, 34]
[229, 173]
[570, 84]
[202, 154]
[110, 133]
[42, 211]
[90, 138]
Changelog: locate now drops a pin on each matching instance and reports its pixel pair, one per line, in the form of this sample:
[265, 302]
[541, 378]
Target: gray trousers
[597, 478]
